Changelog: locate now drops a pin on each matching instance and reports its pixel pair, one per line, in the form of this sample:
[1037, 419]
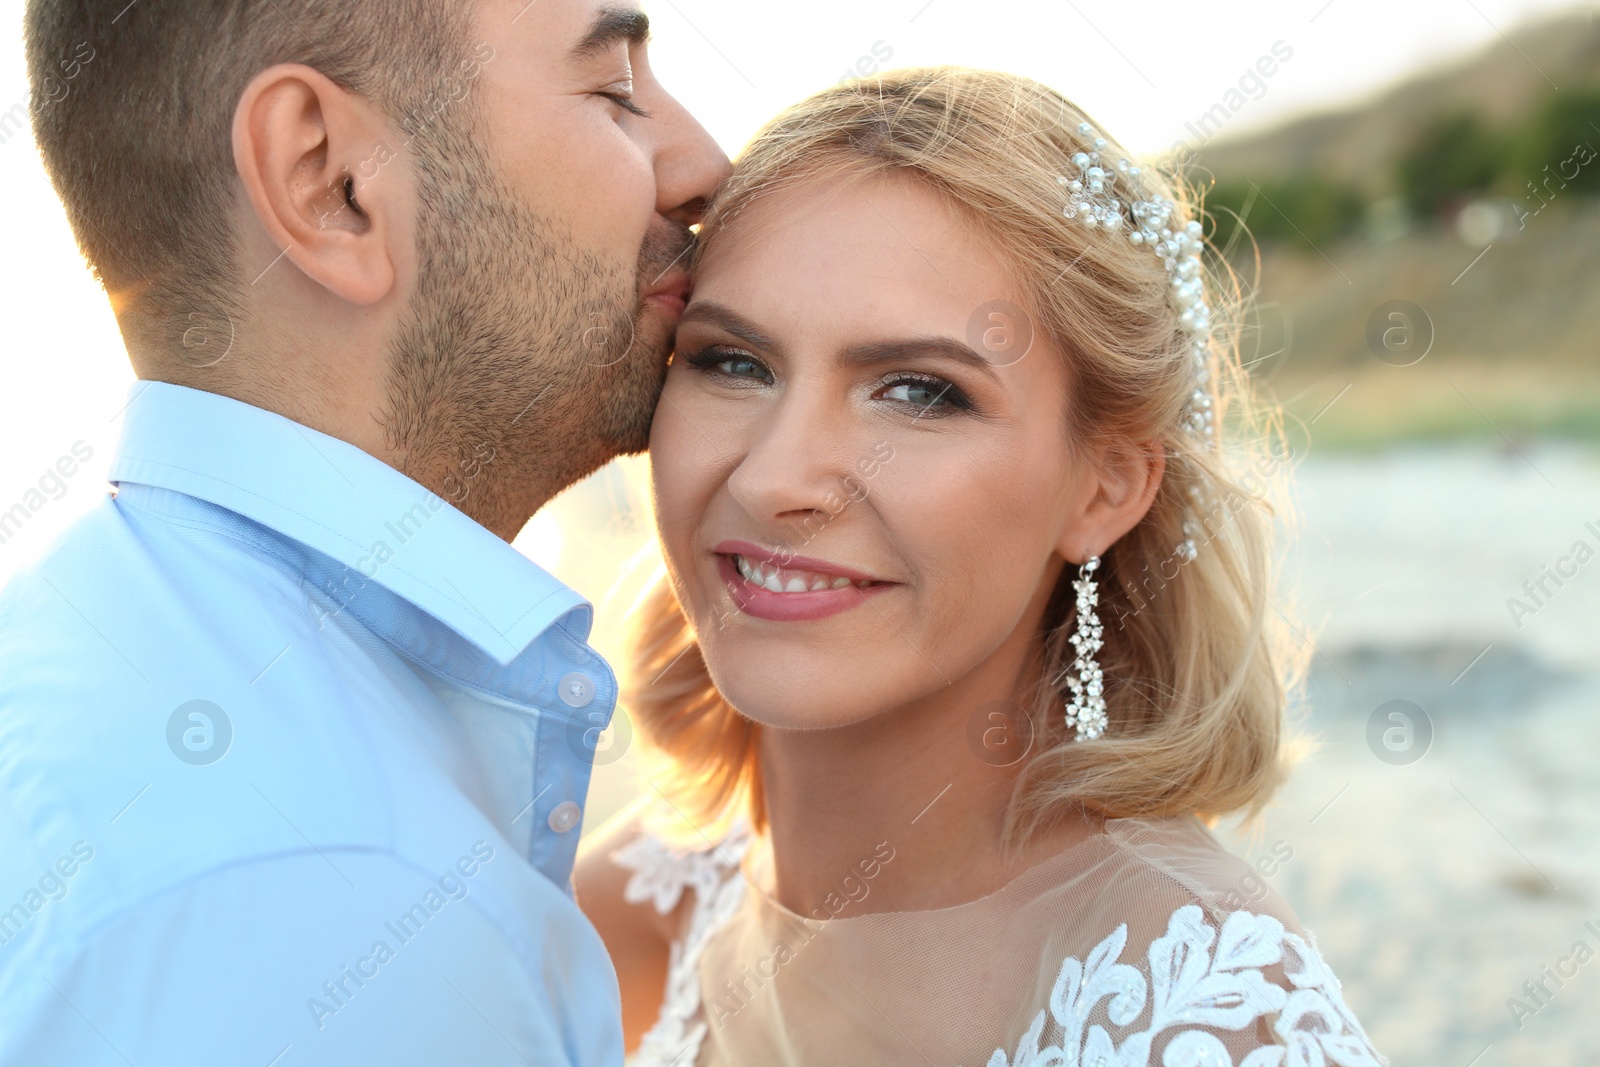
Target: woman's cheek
[684, 466]
[972, 528]
[669, 468]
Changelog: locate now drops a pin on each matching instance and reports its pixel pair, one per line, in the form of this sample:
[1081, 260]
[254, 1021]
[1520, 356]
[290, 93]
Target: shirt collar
[351, 506]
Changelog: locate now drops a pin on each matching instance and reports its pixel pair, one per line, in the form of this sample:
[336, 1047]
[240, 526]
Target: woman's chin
[784, 703]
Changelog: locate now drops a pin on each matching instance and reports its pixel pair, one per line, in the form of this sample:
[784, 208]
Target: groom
[293, 745]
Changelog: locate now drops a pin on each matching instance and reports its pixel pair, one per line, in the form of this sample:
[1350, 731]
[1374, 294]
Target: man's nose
[689, 165]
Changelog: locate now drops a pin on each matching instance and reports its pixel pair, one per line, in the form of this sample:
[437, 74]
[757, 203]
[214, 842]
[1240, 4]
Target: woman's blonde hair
[1197, 670]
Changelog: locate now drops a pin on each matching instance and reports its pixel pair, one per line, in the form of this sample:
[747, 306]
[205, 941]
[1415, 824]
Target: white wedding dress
[1136, 946]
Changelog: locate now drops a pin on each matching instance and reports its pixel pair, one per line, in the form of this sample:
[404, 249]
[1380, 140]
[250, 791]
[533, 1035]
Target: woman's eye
[731, 364]
[744, 367]
[930, 396]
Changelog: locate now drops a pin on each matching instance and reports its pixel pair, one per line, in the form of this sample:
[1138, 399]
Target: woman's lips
[791, 592]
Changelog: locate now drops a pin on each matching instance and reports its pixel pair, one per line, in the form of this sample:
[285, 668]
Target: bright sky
[1143, 69]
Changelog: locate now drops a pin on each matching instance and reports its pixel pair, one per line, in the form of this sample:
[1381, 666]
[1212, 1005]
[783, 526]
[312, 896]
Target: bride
[967, 637]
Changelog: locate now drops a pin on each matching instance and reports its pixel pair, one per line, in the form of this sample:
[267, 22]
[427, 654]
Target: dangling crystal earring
[1086, 707]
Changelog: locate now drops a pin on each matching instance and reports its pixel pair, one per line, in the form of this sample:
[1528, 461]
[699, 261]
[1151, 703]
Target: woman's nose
[798, 466]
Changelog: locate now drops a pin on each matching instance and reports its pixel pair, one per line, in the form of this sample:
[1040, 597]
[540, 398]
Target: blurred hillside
[1429, 258]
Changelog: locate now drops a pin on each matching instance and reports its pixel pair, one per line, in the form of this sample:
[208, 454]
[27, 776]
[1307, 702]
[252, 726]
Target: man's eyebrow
[610, 26]
[874, 352]
[726, 318]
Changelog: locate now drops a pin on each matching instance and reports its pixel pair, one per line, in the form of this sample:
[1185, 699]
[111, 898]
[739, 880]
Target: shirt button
[576, 690]
[564, 816]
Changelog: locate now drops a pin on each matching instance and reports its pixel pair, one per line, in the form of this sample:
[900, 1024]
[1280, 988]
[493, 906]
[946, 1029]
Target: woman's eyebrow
[874, 352]
[724, 317]
[866, 354]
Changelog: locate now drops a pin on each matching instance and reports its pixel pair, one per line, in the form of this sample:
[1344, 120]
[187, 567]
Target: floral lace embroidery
[661, 874]
[1192, 986]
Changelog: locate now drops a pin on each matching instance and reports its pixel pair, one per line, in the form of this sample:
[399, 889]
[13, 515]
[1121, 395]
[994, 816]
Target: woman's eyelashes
[918, 395]
[730, 363]
[928, 395]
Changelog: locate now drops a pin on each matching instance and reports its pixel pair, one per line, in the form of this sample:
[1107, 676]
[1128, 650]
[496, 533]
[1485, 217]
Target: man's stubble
[524, 362]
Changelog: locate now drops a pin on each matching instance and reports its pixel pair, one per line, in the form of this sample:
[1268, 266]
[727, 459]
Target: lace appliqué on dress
[1193, 987]
[661, 874]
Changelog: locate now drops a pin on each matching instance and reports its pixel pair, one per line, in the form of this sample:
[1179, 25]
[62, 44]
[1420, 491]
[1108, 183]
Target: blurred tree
[1453, 159]
[1558, 148]
[1295, 211]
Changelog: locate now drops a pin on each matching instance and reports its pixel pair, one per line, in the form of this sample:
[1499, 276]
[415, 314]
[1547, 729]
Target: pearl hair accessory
[1092, 199]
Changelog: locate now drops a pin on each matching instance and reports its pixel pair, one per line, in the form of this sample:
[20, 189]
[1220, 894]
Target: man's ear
[1122, 482]
[304, 148]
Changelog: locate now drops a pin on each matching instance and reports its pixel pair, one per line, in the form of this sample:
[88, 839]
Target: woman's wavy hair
[1198, 670]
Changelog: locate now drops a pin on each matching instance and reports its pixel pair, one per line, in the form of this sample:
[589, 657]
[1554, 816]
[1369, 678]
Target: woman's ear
[304, 149]
[1122, 483]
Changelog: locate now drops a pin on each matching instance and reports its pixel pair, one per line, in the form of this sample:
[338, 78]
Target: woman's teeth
[777, 579]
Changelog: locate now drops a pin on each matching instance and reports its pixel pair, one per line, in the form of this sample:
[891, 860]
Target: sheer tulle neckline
[1051, 870]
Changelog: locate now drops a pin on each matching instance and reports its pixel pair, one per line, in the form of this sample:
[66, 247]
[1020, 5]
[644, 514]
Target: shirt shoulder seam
[86, 939]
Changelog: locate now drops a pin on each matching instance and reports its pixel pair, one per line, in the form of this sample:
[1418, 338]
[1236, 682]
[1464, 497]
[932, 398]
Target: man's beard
[524, 362]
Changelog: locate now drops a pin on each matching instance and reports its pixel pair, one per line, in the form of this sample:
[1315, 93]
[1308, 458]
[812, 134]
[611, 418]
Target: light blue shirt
[292, 759]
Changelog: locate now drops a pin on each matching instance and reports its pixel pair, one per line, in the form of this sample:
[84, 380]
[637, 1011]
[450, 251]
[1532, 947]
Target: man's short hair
[138, 140]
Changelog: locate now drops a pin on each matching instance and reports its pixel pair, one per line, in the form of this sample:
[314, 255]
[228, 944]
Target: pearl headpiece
[1092, 199]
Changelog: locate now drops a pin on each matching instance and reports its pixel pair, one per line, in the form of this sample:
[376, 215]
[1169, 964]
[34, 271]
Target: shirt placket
[580, 704]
